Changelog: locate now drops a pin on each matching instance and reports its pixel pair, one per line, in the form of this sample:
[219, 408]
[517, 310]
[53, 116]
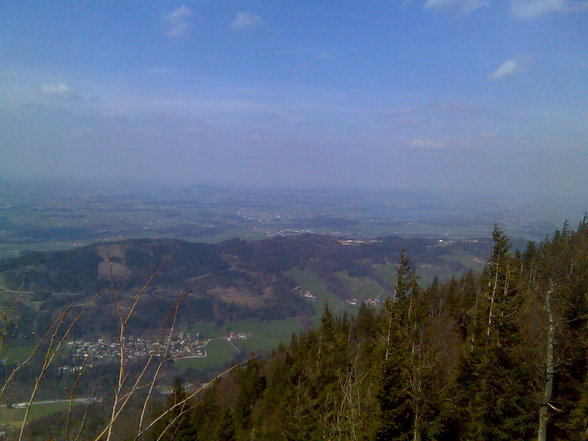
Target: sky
[486, 96]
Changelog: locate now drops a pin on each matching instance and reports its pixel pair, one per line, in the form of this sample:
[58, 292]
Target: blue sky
[444, 95]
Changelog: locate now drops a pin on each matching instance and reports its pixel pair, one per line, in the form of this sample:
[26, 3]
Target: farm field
[362, 288]
[16, 354]
[219, 352]
[265, 335]
[310, 281]
[207, 329]
[387, 271]
[467, 260]
[13, 417]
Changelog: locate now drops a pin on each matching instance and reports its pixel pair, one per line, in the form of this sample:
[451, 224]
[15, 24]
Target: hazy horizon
[455, 96]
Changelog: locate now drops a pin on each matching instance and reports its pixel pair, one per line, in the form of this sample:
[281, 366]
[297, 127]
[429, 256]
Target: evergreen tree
[225, 430]
[498, 407]
[176, 424]
[457, 361]
[251, 384]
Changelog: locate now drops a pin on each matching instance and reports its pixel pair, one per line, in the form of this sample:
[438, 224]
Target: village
[103, 351]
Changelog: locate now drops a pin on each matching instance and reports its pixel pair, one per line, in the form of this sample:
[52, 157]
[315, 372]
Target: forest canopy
[499, 356]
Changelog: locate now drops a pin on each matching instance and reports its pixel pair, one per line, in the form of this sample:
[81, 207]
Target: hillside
[495, 356]
[229, 281]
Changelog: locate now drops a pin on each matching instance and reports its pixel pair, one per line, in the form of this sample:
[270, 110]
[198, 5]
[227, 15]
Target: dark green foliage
[395, 414]
[458, 361]
[251, 383]
[225, 430]
[175, 425]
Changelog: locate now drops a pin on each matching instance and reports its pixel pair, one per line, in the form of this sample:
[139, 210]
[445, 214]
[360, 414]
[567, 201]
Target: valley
[66, 215]
[245, 297]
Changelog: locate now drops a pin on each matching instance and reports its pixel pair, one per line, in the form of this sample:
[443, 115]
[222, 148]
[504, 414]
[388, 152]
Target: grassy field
[310, 281]
[207, 330]
[16, 354]
[387, 272]
[14, 417]
[265, 335]
[219, 352]
[362, 287]
[467, 260]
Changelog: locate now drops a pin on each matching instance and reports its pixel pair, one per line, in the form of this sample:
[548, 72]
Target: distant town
[103, 351]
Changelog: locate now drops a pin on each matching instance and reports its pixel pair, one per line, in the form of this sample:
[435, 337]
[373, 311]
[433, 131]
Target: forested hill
[131, 262]
[498, 357]
[229, 281]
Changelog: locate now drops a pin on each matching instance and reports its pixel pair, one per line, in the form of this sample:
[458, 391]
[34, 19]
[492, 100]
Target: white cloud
[506, 69]
[426, 143]
[462, 7]
[511, 67]
[176, 22]
[244, 20]
[58, 90]
[528, 9]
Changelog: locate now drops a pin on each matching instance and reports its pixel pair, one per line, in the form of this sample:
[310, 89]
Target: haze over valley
[293, 220]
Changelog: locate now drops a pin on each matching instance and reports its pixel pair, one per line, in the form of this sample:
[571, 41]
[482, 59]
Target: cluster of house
[348, 242]
[237, 336]
[259, 216]
[308, 295]
[374, 302]
[176, 346]
[291, 232]
[305, 294]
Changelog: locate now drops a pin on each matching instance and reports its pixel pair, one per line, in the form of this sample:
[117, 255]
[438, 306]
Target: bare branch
[189, 397]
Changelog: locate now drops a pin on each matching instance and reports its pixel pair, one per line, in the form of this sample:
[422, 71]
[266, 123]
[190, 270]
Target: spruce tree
[176, 424]
[497, 407]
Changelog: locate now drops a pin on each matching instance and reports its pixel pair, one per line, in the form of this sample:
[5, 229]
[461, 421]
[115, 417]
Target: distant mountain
[204, 191]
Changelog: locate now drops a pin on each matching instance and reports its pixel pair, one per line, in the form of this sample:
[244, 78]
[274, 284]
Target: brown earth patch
[239, 296]
[116, 269]
[114, 250]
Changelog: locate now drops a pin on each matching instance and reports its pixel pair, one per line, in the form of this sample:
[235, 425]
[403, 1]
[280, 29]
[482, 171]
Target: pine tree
[176, 424]
[206, 410]
[225, 430]
[497, 407]
[251, 384]
[395, 389]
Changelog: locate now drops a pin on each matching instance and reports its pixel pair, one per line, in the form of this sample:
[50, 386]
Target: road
[75, 400]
